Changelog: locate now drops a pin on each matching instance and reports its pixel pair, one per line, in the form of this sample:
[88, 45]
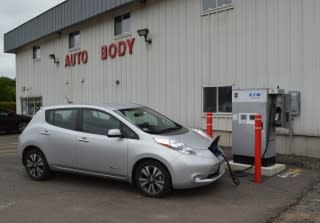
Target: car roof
[110, 106]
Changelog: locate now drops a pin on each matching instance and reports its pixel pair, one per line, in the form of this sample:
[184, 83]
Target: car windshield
[149, 121]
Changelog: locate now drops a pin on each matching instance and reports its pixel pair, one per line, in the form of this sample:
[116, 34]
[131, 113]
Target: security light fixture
[53, 57]
[145, 33]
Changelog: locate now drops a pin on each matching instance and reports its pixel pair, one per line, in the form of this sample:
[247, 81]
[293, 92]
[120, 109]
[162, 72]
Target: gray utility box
[273, 106]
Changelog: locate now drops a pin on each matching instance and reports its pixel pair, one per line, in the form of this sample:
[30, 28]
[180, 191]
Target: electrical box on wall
[283, 110]
[295, 102]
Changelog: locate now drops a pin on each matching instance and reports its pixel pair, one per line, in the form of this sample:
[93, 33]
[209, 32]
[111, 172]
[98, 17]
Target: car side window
[64, 118]
[3, 113]
[97, 122]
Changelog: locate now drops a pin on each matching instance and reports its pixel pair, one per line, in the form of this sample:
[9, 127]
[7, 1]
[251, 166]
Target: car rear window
[63, 118]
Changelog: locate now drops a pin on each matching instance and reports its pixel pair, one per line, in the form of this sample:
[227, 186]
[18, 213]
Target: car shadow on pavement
[83, 182]
[88, 181]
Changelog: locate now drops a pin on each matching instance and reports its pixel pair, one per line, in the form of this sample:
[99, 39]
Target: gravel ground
[299, 161]
[306, 210]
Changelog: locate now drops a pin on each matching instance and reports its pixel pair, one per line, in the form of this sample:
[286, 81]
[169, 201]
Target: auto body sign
[112, 51]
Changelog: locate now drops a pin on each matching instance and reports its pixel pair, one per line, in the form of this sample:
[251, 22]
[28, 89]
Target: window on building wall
[122, 24]
[217, 99]
[74, 40]
[30, 106]
[36, 52]
[209, 5]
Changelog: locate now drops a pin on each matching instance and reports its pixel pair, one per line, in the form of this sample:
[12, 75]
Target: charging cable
[215, 149]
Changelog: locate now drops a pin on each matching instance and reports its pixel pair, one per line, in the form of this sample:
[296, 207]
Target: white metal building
[200, 49]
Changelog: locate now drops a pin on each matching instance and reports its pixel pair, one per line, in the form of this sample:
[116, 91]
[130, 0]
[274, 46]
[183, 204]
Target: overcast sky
[12, 14]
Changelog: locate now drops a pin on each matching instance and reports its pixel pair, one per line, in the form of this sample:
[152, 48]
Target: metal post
[258, 143]
[209, 124]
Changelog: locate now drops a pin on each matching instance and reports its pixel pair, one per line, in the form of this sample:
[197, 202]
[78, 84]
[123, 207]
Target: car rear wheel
[153, 179]
[22, 126]
[36, 165]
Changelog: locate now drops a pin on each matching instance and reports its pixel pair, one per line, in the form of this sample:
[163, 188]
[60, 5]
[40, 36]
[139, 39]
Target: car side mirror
[114, 133]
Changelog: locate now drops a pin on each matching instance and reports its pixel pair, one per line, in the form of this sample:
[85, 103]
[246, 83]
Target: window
[30, 106]
[36, 52]
[64, 118]
[217, 99]
[74, 40]
[122, 24]
[216, 4]
[3, 113]
[97, 122]
[149, 121]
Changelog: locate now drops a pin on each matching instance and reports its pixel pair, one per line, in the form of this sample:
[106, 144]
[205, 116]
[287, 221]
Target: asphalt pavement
[74, 198]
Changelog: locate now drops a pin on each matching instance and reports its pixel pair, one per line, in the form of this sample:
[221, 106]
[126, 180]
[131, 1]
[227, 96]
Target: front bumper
[200, 180]
[194, 171]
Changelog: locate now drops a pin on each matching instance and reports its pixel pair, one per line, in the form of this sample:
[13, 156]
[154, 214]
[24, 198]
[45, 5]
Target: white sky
[12, 14]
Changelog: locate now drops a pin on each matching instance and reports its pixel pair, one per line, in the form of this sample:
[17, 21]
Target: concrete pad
[266, 171]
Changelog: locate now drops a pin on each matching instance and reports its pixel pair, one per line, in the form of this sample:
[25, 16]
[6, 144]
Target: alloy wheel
[151, 179]
[35, 165]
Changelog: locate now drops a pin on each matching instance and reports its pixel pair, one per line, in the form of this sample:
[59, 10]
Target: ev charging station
[277, 109]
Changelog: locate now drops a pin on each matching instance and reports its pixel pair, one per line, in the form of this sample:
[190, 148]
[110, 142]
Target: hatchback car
[10, 121]
[125, 142]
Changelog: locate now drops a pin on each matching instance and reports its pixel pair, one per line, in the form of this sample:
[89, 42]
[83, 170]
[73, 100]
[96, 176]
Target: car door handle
[45, 132]
[83, 139]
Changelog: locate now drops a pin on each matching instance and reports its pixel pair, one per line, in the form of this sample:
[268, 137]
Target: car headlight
[202, 133]
[172, 144]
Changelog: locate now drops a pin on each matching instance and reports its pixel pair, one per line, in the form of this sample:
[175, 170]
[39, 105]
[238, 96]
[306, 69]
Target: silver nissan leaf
[124, 142]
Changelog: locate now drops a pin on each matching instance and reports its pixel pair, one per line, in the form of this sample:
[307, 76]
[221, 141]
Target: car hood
[191, 139]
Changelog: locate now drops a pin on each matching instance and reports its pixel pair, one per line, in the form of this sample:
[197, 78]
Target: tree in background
[7, 93]
[7, 89]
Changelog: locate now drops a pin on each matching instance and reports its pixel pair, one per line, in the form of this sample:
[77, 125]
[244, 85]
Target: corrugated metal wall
[63, 15]
[259, 43]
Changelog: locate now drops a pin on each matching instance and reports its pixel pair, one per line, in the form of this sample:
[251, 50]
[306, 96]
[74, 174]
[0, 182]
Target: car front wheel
[36, 165]
[153, 179]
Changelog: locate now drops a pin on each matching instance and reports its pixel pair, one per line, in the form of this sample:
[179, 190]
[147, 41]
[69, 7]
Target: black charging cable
[235, 180]
[214, 148]
[242, 173]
